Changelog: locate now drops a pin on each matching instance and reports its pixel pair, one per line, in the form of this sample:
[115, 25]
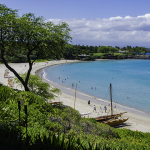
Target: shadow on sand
[122, 125]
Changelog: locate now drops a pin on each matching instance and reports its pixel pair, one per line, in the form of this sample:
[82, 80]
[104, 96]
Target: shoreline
[137, 120]
[106, 101]
[100, 100]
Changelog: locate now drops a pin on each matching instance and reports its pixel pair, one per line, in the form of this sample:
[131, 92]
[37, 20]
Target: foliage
[119, 55]
[90, 57]
[73, 51]
[37, 86]
[47, 124]
[100, 55]
[30, 37]
[105, 49]
[41, 60]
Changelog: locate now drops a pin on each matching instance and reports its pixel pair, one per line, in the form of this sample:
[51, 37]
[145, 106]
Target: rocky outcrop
[141, 57]
[128, 57]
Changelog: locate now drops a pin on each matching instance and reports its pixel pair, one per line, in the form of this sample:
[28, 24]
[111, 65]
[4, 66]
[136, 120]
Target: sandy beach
[138, 120]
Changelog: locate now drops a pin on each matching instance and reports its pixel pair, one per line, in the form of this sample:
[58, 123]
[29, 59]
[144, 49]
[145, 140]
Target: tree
[37, 86]
[95, 49]
[117, 47]
[144, 50]
[112, 49]
[68, 53]
[83, 50]
[124, 48]
[129, 47]
[29, 35]
[103, 49]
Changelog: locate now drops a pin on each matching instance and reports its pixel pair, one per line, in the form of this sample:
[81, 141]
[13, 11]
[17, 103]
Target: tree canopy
[107, 49]
[39, 87]
[30, 36]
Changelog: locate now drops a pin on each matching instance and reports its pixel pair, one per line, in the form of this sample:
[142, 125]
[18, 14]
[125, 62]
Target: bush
[46, 124]
[120, 57]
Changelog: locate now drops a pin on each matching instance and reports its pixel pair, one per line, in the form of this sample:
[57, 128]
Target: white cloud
[115, 18]
[112, 31]
[128, 17]
[147, 16]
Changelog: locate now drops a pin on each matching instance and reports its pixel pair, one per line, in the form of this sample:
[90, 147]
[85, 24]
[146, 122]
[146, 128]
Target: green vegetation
[42, 60]
[105, 49]
[100, 55]
[73, 51]
[104, 52]
[38, 87]
[28, 38]
[58, 126]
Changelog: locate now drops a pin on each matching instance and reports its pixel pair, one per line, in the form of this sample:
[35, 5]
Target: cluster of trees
[107, 49]
[28, 38]
[116, 49]
[73, 51]
[135, 50]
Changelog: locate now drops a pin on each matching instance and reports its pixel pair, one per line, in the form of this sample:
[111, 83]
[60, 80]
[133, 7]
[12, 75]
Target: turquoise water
[130, 80]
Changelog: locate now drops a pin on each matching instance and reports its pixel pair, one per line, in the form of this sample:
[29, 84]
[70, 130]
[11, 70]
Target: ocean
[130, 80]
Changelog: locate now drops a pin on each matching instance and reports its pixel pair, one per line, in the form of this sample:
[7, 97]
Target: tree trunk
[26, 88]
[16, 74]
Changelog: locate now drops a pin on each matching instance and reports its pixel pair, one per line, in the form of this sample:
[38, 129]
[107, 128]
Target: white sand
[137, 120]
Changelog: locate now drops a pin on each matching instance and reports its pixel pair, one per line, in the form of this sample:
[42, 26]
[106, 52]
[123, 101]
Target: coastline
[94, 99]
[138, 120]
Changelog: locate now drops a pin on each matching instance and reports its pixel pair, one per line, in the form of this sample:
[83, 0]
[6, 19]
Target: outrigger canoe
[114, 122]
[105, 118]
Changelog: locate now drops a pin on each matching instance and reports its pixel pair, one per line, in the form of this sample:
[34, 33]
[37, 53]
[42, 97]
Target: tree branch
[10, 68]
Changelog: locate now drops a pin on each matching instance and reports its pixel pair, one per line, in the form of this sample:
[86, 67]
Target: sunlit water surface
[130, 80]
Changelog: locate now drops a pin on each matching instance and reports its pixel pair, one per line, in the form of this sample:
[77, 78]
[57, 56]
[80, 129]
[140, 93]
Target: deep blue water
[130, 80]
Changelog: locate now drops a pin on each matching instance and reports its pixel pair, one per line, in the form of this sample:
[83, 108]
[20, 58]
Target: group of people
[94, 109]
[105, 108]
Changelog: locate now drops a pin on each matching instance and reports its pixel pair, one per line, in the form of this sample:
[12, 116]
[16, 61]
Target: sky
[95, 22]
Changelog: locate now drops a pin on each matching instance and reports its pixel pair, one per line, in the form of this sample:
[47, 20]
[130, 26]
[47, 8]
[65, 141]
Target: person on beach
[105, 108]
[100, 109]
[88, 102]
[94, 108]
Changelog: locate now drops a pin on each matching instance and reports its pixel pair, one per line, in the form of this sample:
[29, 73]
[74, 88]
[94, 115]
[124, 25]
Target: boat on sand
[107, 117]
[112, 120]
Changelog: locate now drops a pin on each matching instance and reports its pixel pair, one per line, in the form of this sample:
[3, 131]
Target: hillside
[58, 126]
